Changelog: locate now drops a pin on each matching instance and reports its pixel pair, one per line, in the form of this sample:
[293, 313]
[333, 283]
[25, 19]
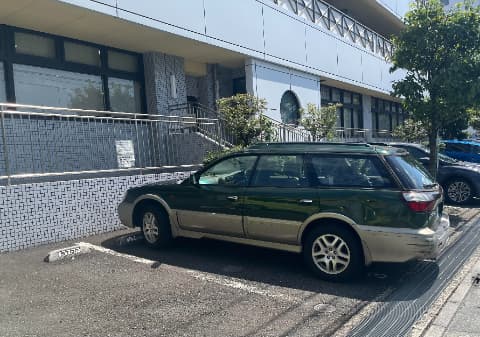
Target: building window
[57, 88]
[386, 116]
[35, 45]
[350, 114]
[125, 95]
[61, 72]
[239, 86]
[122, 61]
[83, 54]
[290, 108]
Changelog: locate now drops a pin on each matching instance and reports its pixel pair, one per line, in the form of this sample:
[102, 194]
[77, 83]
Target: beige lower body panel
[241, 240]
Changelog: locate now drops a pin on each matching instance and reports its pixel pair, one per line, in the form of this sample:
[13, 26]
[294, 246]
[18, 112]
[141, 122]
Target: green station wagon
[343, 206]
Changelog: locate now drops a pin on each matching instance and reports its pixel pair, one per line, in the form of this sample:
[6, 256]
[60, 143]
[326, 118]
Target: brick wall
[40, 213]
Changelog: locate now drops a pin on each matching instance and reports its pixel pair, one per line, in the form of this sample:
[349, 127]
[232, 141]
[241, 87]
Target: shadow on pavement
[276, 268]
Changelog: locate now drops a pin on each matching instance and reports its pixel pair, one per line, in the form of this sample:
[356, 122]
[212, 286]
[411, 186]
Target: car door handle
[232, 198]
[305, 201]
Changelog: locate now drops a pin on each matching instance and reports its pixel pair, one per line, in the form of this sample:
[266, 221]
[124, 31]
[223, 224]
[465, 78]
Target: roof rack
[265, 145]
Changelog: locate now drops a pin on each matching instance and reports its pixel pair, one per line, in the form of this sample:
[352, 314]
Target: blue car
[464, 150]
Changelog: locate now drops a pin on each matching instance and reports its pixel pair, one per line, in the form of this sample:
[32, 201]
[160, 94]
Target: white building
[145, 56]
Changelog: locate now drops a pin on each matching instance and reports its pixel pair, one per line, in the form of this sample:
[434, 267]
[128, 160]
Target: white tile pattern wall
[40, 213]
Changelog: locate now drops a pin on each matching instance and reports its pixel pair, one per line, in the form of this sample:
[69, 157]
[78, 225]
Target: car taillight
[421, 201]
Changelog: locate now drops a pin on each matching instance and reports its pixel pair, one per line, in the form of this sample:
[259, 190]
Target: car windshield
[411, 172]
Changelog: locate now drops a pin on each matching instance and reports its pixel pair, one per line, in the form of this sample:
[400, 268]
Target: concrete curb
[65, 253]
[439, 325]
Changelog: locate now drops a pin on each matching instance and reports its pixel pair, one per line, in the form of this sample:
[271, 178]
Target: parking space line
[230, 282]
[115, 253]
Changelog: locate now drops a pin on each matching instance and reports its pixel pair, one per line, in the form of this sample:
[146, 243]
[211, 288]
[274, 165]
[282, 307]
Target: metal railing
[40, 141]
[334, 20]
[281, 132]
[223, 135]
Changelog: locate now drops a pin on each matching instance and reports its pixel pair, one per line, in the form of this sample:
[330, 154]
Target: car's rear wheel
[333, 253]
[459, 191]
[155, 226]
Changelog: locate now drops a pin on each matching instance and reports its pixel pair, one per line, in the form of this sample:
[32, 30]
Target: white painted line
[114, 253]
[230, 282]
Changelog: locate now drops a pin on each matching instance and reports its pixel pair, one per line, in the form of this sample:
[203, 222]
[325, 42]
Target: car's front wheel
[155, 226]
[333, 253]
[459, 191]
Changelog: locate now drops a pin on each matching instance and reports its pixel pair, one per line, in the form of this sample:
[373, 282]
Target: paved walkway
[460, 316]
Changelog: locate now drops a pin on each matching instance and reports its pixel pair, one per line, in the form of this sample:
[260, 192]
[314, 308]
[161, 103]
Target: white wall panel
[372, 72]
[321, 50]
[238, 22]
[284, 36]
[349, 62]
[272, 81]
[187, 14]
[261, 30]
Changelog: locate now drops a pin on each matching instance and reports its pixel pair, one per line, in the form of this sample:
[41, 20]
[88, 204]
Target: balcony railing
[44, 142]
[337, 22]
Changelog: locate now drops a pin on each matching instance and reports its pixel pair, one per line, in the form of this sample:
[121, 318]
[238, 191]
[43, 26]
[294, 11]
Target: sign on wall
[125, 153]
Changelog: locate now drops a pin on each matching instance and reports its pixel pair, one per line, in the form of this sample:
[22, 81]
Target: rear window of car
[411, 173]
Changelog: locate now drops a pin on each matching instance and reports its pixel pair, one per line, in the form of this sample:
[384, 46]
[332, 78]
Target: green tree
[411, 131]
[474, 118]
[440, 51]
[243, 115]
[321, 122]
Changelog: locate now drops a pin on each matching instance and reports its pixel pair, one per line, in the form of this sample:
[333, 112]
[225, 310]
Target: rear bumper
[400, 244]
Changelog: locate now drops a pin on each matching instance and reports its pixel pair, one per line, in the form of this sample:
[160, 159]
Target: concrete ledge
[65, 253]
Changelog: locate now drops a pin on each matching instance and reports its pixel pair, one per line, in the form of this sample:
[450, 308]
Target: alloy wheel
[331, 254]
[150, 227]
[459, 191]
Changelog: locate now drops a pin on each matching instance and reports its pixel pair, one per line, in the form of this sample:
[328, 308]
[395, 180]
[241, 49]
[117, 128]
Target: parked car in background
[464, 150]
[343, 206]
[460, 180]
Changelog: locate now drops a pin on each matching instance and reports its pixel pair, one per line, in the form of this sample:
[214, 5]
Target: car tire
[333, 253]
[459, 191]
[155, 227]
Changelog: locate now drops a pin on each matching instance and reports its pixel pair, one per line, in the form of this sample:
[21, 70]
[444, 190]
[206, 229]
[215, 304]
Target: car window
[457, 147]
[234, 171]
[342, 171]
[411, 172]
[280, 171]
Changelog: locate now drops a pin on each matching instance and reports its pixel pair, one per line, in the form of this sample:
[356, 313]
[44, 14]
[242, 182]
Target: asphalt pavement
[195, 288]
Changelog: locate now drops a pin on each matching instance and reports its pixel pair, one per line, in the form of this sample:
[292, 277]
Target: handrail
[370, 39]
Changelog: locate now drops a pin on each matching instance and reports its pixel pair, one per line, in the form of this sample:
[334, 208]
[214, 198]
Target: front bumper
[385, 244]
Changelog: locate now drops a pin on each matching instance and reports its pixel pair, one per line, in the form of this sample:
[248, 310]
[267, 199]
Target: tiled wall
[40, 213]
[158, 69]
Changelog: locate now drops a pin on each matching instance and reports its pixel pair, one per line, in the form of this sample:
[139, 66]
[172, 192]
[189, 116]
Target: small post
[5, 149]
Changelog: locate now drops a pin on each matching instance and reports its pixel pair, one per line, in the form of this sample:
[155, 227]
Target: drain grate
[413, 297]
